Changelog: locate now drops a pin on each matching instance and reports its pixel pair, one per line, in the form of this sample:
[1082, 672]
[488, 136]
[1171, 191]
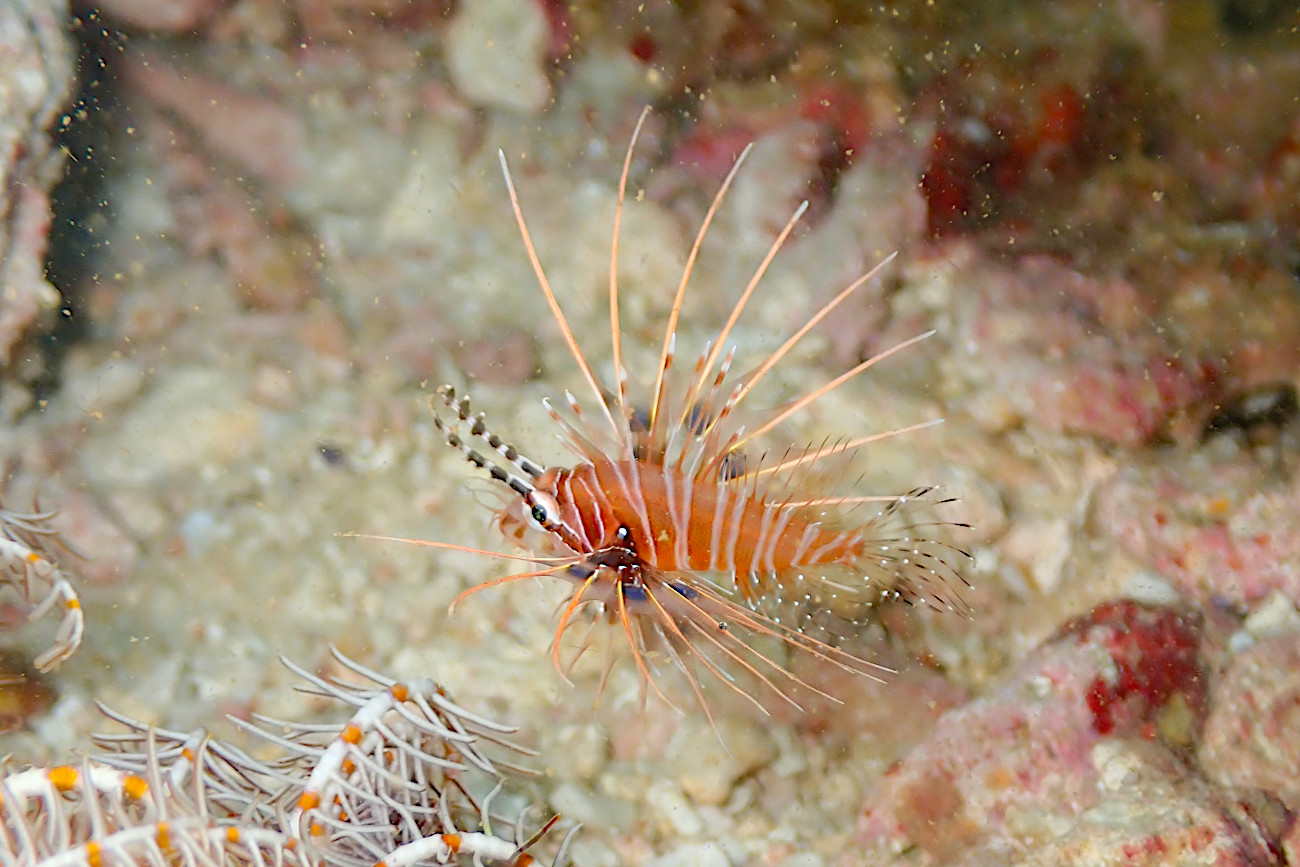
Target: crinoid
[409, 778]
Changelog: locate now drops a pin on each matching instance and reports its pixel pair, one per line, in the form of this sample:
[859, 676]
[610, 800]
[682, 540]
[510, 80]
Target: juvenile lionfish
[703, 557]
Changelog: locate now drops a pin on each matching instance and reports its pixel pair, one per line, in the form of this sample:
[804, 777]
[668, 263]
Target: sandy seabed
[308, 234]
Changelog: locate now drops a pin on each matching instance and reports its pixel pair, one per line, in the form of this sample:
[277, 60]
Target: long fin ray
[656, 403]
[752, 379]
[551, 300]
[739, 307]
[832, 385]
[615, 331]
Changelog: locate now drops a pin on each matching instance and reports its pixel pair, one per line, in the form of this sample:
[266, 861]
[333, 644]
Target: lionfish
[703, 558]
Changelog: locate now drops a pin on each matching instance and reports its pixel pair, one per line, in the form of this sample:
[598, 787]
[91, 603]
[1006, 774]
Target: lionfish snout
[518, 525]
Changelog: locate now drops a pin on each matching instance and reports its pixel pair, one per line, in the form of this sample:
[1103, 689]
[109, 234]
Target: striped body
[678, 524]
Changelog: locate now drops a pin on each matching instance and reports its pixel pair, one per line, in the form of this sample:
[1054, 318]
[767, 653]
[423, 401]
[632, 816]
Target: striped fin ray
[889, 548]
[576, 440]
[615, 329]
[781, 351]
[658, 402]
[702, 377]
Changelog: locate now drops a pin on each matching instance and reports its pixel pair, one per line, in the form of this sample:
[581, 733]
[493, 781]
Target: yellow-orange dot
[309, 800]
[352, 733]
[452, 841]
[64, 777]
[187, 754]
[135, 787]
[72, 603]
[523, 860]
[381, 864]
[232, 834]
[400, 691]
[32, 557]
[317, 829]
[348, 767]
[94, 854]
[163, 836]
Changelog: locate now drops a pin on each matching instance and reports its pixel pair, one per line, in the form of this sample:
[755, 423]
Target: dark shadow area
[79, 206]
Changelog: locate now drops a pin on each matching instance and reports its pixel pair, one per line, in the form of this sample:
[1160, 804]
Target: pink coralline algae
[1220, 531]
[35, 68]
[1072, 353]
[1252, 734]
[1156, 812]
[1024, 757]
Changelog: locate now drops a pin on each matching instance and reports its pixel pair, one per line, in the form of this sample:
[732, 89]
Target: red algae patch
[1154, 654]
[1069, 352]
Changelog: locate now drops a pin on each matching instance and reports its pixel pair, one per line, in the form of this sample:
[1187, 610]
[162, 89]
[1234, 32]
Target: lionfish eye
[544, 509]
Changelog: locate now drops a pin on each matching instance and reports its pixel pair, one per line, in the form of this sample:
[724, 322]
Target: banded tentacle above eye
[478, 428]
[451, 433]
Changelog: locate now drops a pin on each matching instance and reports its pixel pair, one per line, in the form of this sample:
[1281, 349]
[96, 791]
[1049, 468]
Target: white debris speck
[1276, 615]
[1116, 765]
[193, 417]
[1146, 586]
[425, 204]
[674, 809]
[579, 804]
[695, 855]
[495, 50]
[804, 859]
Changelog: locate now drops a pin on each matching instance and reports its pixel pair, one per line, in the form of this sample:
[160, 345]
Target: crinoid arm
[159, 811]
[30, 572]
[405, 777]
